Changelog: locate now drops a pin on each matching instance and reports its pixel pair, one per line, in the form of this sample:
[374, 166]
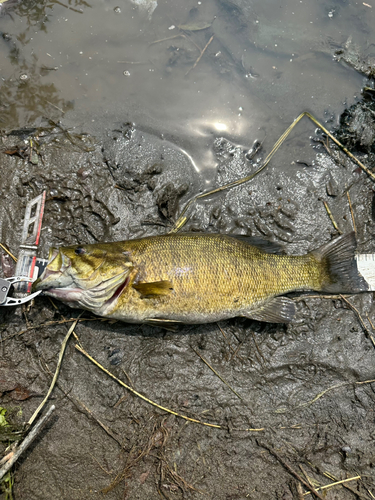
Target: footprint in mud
[272, 220]
[83, 216]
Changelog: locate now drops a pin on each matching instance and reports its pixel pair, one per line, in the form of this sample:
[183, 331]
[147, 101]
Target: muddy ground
[301, 383]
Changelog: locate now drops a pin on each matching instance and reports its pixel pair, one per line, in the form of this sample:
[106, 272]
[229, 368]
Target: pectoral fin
[167, 324]
[154, 289]
[276, 310]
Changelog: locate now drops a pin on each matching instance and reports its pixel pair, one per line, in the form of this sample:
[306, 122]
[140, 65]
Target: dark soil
[301, 383]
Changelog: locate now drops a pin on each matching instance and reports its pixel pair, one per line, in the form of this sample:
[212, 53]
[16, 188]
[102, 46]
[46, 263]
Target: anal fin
[154, 289]
[275, 310]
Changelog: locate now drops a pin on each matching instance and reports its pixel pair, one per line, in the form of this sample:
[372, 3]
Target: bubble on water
[126, 73]
[117, 10]
[24, 77]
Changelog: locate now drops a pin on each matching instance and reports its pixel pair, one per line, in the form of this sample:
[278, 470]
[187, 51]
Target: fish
[194, 278]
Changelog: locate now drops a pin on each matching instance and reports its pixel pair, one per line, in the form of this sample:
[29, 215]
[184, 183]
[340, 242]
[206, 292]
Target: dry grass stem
[8, 252]
[319, 296]
[82, 407]
[325, 487]
[217, 374]
[351, 211]
[61, 354]
[308, 478]
[331, 217]
[360, 319]
[373, 329]
[144, 398]
[290, 470]
[321, 394]
[50, 323]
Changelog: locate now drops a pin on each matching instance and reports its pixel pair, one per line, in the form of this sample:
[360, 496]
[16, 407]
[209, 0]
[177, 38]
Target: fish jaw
[56, 273]
[70, 296]
[98, 299]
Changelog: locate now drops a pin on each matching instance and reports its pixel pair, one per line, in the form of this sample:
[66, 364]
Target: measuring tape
[28, 264]
[366, 267]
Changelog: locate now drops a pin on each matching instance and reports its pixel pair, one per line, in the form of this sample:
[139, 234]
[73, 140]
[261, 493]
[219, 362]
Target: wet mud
[305, 385]
[300, 395]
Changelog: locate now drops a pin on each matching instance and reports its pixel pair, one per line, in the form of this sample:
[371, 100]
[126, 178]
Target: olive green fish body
[194, 278]
[213, 278]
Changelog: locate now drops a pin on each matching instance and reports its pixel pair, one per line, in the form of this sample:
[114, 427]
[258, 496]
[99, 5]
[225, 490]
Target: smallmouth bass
[195, 278]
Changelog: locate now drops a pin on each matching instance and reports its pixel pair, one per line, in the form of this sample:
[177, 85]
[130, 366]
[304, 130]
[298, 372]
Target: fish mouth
[54, 275]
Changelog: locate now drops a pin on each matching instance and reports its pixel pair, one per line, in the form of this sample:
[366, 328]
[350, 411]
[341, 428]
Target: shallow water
[94, 65]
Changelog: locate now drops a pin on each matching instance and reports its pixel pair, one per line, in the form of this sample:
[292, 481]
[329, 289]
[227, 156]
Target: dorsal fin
[264, 245]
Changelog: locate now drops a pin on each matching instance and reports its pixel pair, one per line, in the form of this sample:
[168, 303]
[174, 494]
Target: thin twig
[234, 353]
[96, 363]
[326, 486]
[373, 329]
[318, 396]
[217, 374]
[200, 55]
[50, 323]
[362, 323]
[61, 354]
[331, 217]
[82, 407]
[17, 452]
[351, 211]
[290, 470]
[319, 296]
[308, 479]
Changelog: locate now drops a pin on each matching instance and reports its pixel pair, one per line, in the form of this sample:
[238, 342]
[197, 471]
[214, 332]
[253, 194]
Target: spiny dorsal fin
[154, 289]
[275, 310]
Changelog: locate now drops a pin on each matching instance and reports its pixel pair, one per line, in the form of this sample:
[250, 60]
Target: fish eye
[79, 251]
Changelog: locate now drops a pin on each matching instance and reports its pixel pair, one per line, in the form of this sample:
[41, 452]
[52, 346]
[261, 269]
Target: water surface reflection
[235, 68]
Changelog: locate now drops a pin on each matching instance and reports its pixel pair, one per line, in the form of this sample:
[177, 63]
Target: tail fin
[340, 266]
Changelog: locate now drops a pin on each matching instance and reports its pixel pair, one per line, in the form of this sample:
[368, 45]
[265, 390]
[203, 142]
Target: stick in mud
[331, 217]
[290, 470]
[17, 452]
